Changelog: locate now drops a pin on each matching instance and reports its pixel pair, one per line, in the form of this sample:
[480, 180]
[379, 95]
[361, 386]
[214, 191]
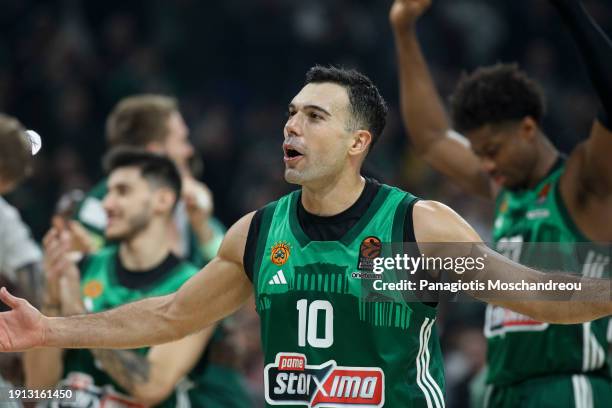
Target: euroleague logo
[543, 193]
[289, 380]
[93, 289]
[280, 253]
[369, 249]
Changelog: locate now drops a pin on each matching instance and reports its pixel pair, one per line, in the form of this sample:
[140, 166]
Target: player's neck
[548, 156]
[146, 249]
[333, 196]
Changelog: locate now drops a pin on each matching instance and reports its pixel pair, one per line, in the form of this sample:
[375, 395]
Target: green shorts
[563, 391]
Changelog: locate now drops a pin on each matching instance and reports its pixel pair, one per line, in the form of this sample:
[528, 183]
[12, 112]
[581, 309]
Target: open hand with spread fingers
[22, 327]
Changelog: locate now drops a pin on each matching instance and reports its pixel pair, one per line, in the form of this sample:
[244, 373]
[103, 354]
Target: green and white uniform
[534, 228]
[324, 344]
[206, 385]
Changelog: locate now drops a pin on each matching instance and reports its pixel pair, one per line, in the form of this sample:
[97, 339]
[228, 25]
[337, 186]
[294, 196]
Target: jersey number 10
[308, 318]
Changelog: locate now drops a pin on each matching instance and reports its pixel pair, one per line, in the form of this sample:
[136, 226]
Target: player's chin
[514, 183]
[292, 176]
[114, 234]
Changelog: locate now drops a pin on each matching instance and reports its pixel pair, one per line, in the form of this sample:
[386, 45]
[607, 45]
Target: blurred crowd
[234, 65]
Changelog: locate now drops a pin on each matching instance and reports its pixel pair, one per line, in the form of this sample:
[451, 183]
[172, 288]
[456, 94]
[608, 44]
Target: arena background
[235, 64]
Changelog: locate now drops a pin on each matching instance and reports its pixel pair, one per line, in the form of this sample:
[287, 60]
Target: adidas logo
[278, 279]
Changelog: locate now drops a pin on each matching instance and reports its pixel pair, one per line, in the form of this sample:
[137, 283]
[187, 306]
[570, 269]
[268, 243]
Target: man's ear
[164, 200]
[528, 128]
[362, 139]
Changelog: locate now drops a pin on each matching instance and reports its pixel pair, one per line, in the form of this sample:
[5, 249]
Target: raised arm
[423, 113]
[442, 232]
[216, 291]
[595, 167]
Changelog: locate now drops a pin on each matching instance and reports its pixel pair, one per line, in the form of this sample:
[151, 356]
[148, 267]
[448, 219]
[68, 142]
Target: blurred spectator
[20, 258]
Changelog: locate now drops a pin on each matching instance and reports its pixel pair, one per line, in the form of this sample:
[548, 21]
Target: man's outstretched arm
[423, 113]
[442, 232]
[216, 291]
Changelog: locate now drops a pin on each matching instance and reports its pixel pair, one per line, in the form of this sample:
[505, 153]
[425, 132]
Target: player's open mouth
[291, 154]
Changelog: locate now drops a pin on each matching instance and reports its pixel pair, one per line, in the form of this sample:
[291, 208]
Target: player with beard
[143, 189]
[154, 122]
[325, 343]
[540, 196]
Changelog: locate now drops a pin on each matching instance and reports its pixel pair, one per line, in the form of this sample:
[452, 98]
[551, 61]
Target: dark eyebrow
[314, 107]
[119, 185]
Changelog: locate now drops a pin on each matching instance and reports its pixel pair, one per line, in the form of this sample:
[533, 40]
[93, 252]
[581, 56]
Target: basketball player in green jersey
[154, 122]
[143, 189]
[325, 345]
[539, 197]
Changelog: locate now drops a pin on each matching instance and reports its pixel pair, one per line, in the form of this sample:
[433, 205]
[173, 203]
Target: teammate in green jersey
[324, 346]
[154, 123]
[540, 197]
[142, 192]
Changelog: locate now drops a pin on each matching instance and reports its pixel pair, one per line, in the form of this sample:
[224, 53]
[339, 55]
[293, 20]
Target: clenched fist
[404, 13]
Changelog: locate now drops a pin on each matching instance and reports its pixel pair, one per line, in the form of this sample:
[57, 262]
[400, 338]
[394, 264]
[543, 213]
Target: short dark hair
[157, 169]
[495, 95]
[140, 119]
[16, 159]
[367, 106]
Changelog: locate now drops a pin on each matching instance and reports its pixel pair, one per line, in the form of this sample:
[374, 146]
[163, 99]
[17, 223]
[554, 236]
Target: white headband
[35, 141]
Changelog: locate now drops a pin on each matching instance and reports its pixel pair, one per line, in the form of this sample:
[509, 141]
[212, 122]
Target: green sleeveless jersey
[101, 290]
[520, 348]
[325, 344]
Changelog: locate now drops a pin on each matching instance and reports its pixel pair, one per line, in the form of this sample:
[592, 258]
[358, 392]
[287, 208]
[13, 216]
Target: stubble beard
[315, 172]
[136, 224]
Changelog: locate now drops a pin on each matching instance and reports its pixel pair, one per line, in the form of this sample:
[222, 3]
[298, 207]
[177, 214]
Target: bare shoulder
[436, 222]
[232, 247]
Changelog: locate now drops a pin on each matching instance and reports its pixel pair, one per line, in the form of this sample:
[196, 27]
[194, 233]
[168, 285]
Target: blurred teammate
[143, 189]
[153, 122]
[20, 257]
[540, 196]
[325, 344]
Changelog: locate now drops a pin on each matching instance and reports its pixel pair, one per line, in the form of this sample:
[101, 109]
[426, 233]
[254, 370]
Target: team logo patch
[503, 206]
[291, 381]
[369, 249]
[93, 289]
[499, 321]
[280, 253]
[544, 193]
